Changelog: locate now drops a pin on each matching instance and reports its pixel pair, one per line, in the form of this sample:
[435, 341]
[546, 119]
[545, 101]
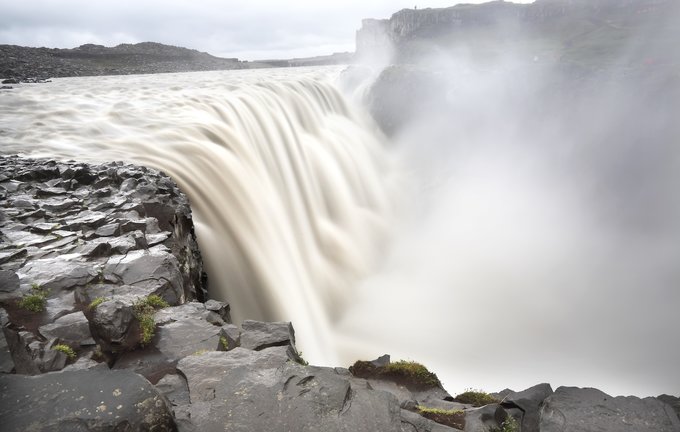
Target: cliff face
[545, 25]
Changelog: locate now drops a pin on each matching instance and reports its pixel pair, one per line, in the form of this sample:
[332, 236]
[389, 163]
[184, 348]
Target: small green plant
[454, 418]
[224, 342]
[476, 398]
[36, 300]
[96, 302]
[156, 302]
[66, 350]
[144, 310]
[508, 425]
[200, 352]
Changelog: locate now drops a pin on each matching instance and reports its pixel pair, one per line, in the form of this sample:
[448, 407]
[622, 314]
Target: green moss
[96, 302]
[36, 301]
[476, 398]
[156, 302]
[413, 371]
[408, 373]
[144, 311]
[453, 418]
[66, 350]
[200, 352]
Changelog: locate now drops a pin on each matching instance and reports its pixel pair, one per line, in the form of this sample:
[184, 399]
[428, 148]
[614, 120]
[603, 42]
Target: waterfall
[285, 178]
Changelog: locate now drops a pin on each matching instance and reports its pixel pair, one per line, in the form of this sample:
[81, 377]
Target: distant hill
[580, 34]
[86, 60]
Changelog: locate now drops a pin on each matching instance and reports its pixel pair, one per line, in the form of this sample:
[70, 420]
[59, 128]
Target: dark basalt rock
[586, 409]
[93, 400]
[529, 402]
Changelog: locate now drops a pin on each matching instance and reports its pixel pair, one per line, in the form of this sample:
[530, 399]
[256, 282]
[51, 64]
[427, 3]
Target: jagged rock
[155, 270]
[245, 390]
[530, 402]
[30, 355]
[114, 325]
[576, 409]
[71, 329]
[82, 400]
[230, 337]
[175, 339]
[259, 335]
[220, 308]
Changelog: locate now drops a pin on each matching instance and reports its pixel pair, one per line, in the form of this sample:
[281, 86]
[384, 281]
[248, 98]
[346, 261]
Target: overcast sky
[256, 29]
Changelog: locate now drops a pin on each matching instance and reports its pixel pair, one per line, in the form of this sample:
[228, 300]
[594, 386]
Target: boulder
[576, 409]
[258, 335]
[94, 400]
[529, 402]
[114, 325]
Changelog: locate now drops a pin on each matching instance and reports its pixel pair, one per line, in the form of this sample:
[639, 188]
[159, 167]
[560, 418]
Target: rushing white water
[286, 182]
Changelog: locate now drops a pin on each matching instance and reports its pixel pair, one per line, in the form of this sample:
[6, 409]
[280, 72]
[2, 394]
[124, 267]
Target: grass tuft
[144, 311]
[476, 398]
[36, 301]
[409, 373]
[66, 350]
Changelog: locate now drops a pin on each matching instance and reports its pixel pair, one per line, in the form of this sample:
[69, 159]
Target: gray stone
[220, 308]
[6, 361]
[173, 341]
[485, 419]
[258, 335]
[9, 281]
[82, 400]
[71, 329]
[585, 409]
[530, 402]
[114, 325]
[245, 390]
[150, 269]
[230, 337]
[174, 387]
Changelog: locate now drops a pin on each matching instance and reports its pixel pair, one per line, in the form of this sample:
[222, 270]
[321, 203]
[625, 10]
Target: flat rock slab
[244, 390]
[572, 409]
[92, 400]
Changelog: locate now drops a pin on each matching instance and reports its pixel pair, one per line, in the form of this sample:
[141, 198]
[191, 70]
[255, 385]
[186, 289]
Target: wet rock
[585, 409]
[485, 419]
[220, 308]
[174, 387]
[82, 400]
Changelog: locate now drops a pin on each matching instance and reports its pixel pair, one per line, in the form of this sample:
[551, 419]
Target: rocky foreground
[107, 325]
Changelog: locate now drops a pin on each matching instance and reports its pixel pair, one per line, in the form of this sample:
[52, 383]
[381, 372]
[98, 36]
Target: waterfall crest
[286, 180]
